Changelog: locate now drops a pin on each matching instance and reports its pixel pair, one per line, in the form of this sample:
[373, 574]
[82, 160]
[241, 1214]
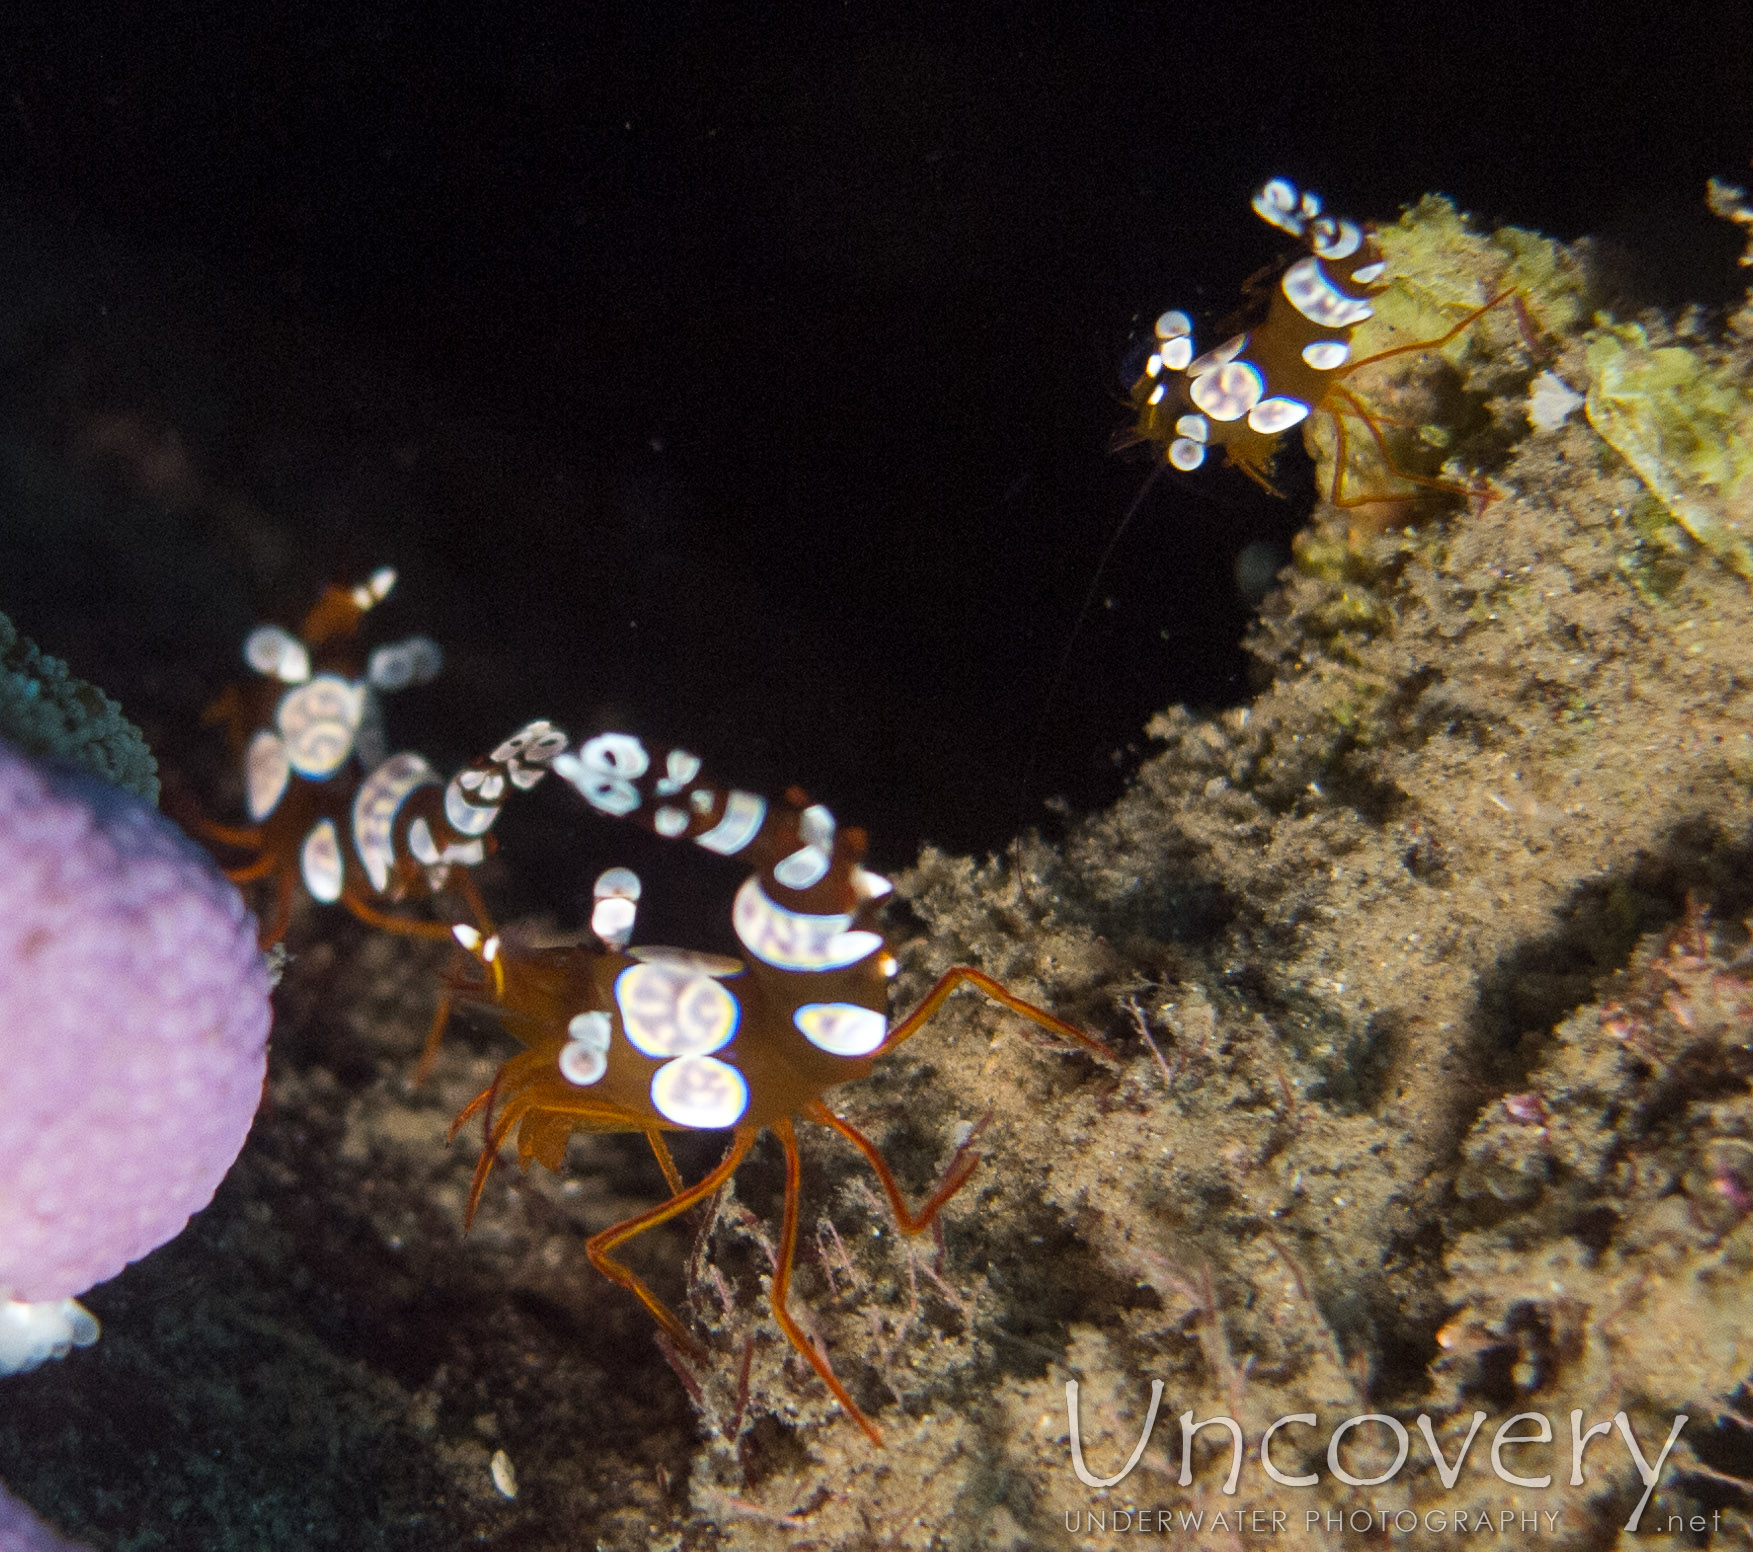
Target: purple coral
[22, 1531]
[133, 1028]
[133, 1041]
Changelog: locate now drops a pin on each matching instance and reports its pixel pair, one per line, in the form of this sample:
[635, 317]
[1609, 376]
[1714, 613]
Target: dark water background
[744, 374]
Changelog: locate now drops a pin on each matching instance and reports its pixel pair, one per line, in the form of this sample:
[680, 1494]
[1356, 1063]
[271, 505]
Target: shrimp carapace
[1243, 395]
[329, 809]
[621, 1037]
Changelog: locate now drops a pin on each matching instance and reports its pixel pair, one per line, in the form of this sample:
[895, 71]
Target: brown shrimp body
[679, 1040]
[331, 812]
[581, 1063]
[621, 1037]
[1245, 393]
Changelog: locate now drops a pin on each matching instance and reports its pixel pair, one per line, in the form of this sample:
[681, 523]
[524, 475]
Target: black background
[748, 375]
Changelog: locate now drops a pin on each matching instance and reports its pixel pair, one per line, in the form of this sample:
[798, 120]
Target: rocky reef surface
[1433, 997]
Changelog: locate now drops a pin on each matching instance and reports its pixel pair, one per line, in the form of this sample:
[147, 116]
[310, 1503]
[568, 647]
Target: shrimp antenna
[1063, 672]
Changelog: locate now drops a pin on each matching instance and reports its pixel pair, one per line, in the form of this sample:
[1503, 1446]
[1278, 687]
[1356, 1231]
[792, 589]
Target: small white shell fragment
[31, 1334]
[1551, 402]
[1173, 325]
[504, 1473]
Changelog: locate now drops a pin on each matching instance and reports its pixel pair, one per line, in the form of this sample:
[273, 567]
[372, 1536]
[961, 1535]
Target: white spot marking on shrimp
[841, 1028]
[266, 772]
[1313, 295]
[1271, 416]
[1186, 454]
[604, 770]
[668, 1010]
[739, 824]
[700, 1091]
[375, 806]
[318, 721]
[319, 860]
[1177, 353]
[1327, 355]
[277, 653]
[1229, 392]
[1213, 359]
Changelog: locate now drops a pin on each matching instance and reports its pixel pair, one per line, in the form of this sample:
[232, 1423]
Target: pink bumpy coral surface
[22, 1531]
[134, 1021]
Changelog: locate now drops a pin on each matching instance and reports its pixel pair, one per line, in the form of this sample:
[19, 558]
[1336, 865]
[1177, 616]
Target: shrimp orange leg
[598, 1246]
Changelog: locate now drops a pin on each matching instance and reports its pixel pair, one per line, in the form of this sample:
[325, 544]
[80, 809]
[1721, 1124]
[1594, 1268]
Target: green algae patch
[1440, 267]
[1431, 405]
[1685, 424]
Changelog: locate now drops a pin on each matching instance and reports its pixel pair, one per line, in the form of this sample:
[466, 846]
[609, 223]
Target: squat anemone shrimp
[330, 811]
[1291, 363]
[644, 1038]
